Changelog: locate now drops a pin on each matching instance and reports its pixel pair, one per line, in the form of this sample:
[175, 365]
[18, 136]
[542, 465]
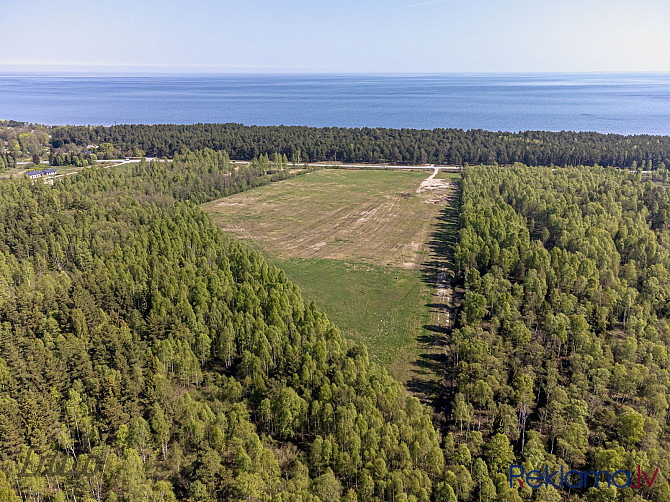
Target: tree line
[6, 161]
[71, 159]
[405, 146]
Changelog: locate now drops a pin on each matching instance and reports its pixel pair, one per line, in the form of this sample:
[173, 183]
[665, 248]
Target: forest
[135, 334]
[71, 159]
[405, 146]
[6, 161]
[563, 331]
[21, 140]
[146, 356]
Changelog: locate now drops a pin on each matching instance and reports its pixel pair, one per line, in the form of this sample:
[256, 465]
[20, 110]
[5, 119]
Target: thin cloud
[426, 3]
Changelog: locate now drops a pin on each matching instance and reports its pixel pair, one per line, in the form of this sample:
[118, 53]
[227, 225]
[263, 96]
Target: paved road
[119, 162]
[389, 166]
[314, 164]
[369, 166]
[115, 163]
[25, 163]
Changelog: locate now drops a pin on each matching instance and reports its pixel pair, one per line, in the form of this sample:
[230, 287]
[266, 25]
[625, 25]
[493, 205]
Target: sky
[335, 36]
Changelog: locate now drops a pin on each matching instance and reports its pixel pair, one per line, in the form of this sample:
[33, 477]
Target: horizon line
[182, 71]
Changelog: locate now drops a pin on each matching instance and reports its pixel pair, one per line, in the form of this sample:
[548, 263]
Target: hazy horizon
[347, 37]
[112, 70]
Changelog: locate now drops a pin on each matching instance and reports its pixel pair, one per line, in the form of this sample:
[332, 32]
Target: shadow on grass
[427, 381]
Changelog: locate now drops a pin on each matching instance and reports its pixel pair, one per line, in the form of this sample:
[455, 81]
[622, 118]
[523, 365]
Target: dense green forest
[72, 159]
[144, 356]
[564, 328]
[6, 161]
[135, 334]
[21, 140]
[410, 146]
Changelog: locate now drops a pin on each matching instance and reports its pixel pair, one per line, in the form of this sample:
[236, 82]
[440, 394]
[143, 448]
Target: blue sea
[618, 103]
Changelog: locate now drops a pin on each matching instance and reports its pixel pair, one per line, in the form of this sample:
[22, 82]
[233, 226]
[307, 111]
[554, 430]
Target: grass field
[448, 175]
[382, 307]
[357, 243]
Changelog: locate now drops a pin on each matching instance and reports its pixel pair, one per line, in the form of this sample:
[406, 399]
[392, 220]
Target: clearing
[362, 244]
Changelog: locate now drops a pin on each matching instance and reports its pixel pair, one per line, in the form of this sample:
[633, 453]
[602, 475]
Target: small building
[33, 175]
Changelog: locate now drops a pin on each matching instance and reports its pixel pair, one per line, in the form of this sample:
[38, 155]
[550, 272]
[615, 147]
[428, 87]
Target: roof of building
[43, 172]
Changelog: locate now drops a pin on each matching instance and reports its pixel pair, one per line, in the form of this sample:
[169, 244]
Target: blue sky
[337, 36]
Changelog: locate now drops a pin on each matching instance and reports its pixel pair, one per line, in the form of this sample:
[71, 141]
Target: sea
[607, 103]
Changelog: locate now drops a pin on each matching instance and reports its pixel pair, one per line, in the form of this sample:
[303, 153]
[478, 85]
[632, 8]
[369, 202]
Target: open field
[373, 217]
[359, 243]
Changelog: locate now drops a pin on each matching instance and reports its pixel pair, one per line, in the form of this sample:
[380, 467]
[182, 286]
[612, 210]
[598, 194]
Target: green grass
[448, 175]
[382, 307]
[15, 172]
